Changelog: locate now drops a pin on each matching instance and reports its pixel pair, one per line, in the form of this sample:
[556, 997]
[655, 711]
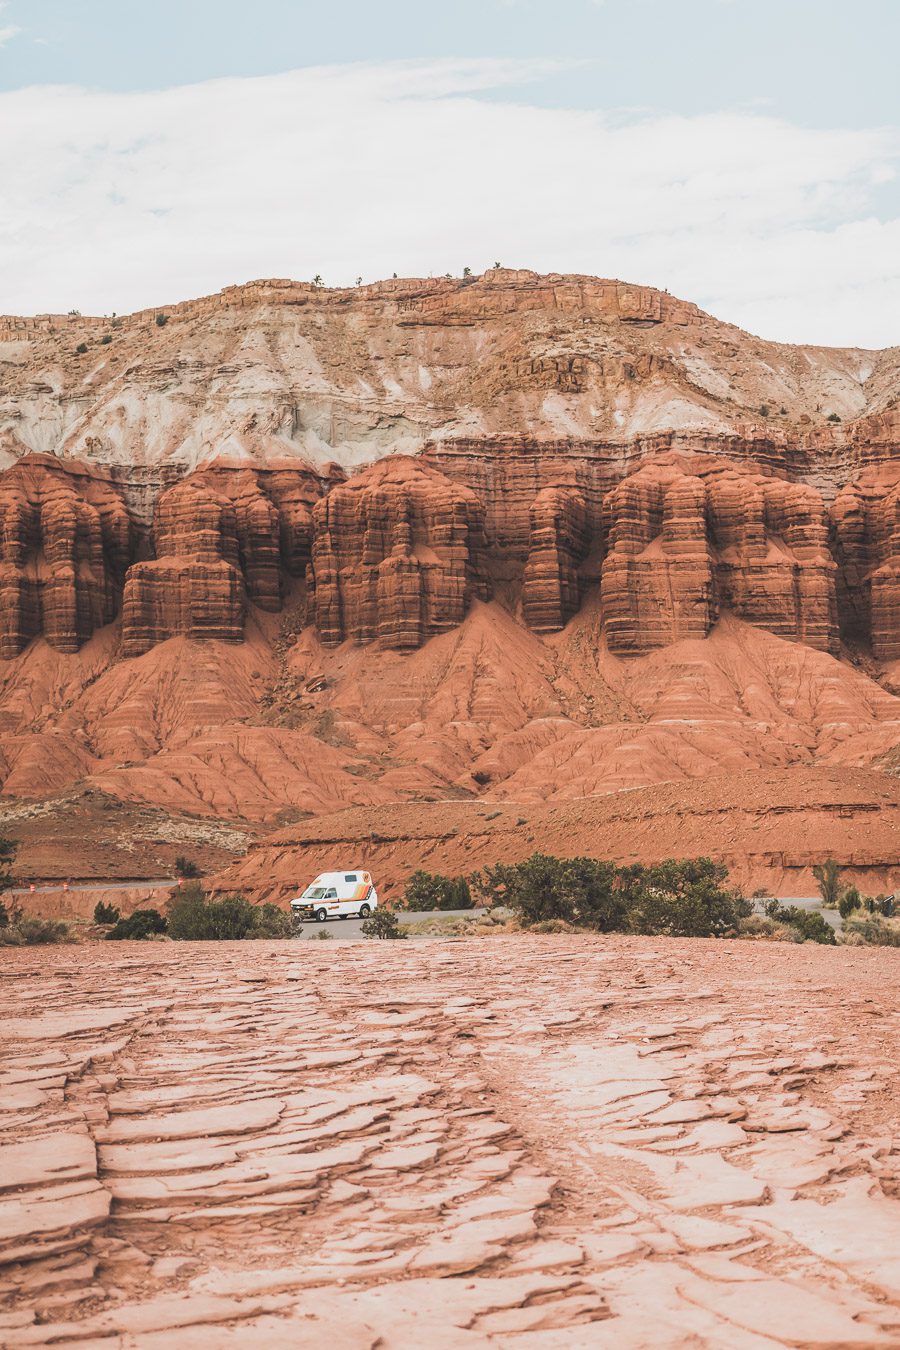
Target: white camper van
[336, 895]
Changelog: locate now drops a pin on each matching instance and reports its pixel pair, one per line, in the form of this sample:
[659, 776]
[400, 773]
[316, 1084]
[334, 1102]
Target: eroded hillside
[288, 550]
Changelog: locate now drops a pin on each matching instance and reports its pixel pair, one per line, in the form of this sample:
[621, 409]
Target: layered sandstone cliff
[535, 537]
[65, 543]
[397, 555]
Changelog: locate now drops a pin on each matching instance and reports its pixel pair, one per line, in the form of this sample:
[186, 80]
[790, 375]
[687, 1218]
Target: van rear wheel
[364, 911]
[321, 915]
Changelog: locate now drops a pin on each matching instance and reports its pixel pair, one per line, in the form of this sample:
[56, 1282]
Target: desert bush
[25, 931]
[580, 891]
[849, 901]
[872, 930]
[142, 924]
[186, 868]
[106, 339]
[682, 898]
[759, 926]
[81, 348]
[231, 918]
[430, 890]
[808, 923]
[272, 922]
[105, 913]
[382, 924]
[162, 320]
[828, 880]
[552, 926]
[8, 850]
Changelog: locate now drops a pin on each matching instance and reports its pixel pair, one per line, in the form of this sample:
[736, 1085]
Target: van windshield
[314, 893]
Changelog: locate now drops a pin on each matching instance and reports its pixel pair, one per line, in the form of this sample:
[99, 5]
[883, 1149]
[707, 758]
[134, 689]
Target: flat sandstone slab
[599, 1141]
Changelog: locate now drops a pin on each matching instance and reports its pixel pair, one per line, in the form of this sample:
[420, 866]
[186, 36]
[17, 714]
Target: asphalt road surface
[348, 930]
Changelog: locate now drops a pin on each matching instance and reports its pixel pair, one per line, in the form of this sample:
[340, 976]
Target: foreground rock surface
[517, 1142]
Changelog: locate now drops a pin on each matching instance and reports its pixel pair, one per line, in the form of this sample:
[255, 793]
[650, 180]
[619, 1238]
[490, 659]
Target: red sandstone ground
[516, 1141]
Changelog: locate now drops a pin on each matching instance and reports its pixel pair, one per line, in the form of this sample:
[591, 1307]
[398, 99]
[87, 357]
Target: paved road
[348, 930]
[139, 884]
[811, 902]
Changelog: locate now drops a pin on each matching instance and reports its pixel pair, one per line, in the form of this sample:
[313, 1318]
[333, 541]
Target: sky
[743, 154]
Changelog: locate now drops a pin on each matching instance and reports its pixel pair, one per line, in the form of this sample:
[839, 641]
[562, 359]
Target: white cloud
[113, 201]
[9, 30]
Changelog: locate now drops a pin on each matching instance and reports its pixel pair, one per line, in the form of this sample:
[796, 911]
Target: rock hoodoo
[65, 543]
[397, 555]
[689, 537]
[221, 537]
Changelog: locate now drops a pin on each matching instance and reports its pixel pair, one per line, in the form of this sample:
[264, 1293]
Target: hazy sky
[742, 153]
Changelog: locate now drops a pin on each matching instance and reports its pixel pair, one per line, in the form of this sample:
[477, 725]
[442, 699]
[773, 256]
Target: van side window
[331, 894]
[352, 877]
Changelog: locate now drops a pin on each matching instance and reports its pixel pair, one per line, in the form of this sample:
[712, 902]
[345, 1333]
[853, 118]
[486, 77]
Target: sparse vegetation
[186, 868]
[828, 880]
[870, 930]
[317, 280]
[8, 850]
[272, 922]
[384, 925]
[105, 913]
[808, 924]
[232, 918]
[22, 930]
[429, 890]
[138, 927]
[162, 320]
[467, 271]
[764, 410]
[849, 901]
[832, 417]
[106, 339]
[681, 898]
[81, 348]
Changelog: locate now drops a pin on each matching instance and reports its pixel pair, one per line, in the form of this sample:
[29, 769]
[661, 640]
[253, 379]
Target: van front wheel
[321, 915]
[364, 911]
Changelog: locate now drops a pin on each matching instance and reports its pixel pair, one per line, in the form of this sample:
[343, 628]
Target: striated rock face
[558, 540]
[221, 538]
[657, 579]
[689, 536]
[866, 518]
[65, 542]
[397, 555]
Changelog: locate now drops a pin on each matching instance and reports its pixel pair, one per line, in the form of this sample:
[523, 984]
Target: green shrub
[81, 348]
[105, 913]
[383, 924]
[849, 901]
[808, 923]
[231, 918]
[162, 320]
[272, 922]
[580, 891]
[430, 890]
[24, 931]
[828, 880]
[872, 930]
[682, 898]
[106, 339]
[832, 417]
[186, 868]
[142, 924]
